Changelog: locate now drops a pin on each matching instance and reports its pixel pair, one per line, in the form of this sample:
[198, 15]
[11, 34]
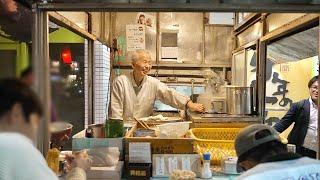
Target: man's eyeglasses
[314, 87]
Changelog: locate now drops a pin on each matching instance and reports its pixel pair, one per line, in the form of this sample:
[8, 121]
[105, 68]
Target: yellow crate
[218, 141]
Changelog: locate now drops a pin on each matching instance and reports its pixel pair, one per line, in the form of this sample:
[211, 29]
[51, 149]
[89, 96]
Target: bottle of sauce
[206, 171]
[89, 133]
[53, 159]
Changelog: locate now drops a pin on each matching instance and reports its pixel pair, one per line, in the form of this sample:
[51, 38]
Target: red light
[66, 56]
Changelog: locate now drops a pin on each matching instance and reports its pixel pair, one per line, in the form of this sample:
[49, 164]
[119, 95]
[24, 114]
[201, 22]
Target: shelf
[179, 65]
[224, 118]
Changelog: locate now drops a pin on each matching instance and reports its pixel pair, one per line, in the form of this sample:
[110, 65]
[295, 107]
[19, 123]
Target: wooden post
[41, 65]
[318, 133]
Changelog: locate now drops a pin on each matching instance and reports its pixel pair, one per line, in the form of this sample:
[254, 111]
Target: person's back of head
[20, 108]
[256, 143]
[27, 76]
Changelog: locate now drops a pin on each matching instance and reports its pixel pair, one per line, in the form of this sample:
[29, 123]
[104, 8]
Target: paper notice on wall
[136, 36]
[139, 153]
[145, 18]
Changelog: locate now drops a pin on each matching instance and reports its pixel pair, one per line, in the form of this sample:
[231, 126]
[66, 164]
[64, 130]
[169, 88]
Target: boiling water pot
[239, 100]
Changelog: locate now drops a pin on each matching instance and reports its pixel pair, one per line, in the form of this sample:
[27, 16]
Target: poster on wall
[145, 19]
[135, 35]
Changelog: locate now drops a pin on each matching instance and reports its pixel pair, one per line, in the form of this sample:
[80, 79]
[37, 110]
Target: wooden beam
[291, 27]
[64, 22]
[177, 65]
[249, 21]
[79, 5]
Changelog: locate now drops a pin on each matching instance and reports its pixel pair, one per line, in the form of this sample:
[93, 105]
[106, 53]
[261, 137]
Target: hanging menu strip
[160, 165]
[173, 164]
[186, 164]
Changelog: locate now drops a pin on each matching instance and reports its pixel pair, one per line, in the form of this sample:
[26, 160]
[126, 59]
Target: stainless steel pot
[239, 100]
[98, 130]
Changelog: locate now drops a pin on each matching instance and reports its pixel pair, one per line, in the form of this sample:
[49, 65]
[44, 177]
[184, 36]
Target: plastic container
[144, 133]
[173, 130]
[218, 141]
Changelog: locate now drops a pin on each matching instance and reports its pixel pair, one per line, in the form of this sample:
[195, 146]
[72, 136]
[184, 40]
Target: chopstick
[145, 124]
[142, 123]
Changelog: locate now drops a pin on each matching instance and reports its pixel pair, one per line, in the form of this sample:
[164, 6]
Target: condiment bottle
[206, 171]
[89, 133]
[53, 159]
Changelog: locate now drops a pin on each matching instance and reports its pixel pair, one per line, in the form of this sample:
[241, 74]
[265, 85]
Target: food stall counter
[223, 118]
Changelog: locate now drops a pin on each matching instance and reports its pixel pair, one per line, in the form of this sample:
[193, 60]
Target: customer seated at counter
[20, 112]
[263, 156]
[133, 95]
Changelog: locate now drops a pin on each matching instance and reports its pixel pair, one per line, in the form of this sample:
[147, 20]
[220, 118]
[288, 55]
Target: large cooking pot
[239, 100]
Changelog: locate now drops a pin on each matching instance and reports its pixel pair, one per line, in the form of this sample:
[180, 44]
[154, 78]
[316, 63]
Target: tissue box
[106, 173]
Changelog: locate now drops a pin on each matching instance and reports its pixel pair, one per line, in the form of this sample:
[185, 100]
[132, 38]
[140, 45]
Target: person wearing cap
[134, 95]
[263, 156]
[304, 115]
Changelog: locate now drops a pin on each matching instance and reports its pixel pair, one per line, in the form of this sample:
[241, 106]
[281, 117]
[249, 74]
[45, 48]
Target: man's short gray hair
[138, 53]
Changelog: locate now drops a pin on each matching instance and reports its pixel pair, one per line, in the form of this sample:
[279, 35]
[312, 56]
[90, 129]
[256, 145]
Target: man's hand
[195, 106]
[79, 159]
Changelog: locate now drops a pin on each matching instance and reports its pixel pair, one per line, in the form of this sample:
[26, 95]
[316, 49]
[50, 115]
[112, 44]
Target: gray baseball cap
[248, 138]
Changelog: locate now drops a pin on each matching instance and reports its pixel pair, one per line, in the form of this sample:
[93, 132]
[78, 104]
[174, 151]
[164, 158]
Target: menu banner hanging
[135, 35]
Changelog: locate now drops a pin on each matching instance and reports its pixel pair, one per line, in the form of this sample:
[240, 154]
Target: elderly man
[263, 156]
[133, 95]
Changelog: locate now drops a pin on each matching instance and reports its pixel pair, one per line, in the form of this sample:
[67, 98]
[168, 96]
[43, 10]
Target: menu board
[135, 35]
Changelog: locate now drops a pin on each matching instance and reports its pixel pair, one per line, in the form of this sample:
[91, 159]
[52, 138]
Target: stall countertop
[225, 177]
[222, 118]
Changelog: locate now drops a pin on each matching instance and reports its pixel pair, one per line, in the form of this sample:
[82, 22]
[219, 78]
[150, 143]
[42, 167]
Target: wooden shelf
[178, 65]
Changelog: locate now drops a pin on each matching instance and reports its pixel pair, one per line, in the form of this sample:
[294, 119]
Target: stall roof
[180, 5]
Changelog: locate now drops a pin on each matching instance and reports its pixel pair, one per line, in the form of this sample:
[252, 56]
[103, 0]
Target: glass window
[67, 79]
[184, 89]
[239, 66]
[291, 62]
